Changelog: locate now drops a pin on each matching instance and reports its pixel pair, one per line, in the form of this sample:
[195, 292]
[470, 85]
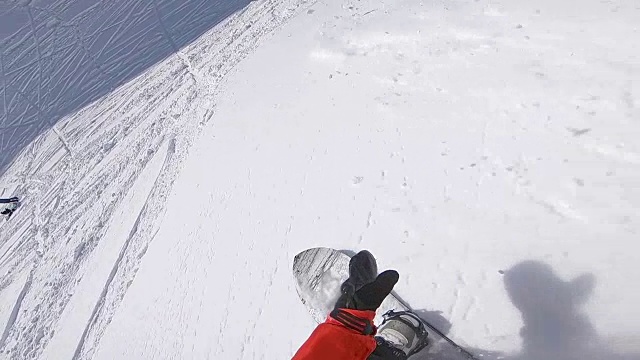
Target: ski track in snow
[14, 312]
[72, 180]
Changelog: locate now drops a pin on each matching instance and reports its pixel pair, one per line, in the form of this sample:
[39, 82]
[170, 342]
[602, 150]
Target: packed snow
[486, 150]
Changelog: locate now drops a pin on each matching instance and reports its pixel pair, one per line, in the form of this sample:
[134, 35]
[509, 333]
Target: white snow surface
[486, 150]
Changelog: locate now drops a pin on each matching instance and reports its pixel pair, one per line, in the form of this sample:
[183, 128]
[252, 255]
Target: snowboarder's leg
[349, 329]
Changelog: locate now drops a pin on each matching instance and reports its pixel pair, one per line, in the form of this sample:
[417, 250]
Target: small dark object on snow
[8, 206]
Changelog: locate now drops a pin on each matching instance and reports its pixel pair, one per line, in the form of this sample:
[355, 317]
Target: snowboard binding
[402, 331]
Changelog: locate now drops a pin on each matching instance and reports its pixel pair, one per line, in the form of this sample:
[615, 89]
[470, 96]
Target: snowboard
[318, 274]
[13, 200]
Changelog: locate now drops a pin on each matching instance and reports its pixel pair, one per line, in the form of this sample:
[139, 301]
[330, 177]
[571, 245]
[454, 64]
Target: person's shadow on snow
[555, 328]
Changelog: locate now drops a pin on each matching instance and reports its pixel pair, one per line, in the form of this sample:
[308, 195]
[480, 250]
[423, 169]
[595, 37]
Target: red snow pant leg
[331, 340]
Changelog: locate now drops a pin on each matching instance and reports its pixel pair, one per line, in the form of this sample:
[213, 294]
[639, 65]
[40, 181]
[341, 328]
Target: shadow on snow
[554, 326]
[57, 56]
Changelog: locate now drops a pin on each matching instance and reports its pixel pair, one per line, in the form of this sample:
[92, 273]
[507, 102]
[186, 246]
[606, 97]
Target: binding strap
[352, 322]
[396, 315]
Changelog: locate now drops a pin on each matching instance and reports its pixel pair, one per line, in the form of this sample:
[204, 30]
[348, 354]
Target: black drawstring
[350, 321]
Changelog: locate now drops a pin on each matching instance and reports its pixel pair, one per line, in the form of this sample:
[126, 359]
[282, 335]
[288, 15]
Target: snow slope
[94, 191]
[57, 56]
[487, 151]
